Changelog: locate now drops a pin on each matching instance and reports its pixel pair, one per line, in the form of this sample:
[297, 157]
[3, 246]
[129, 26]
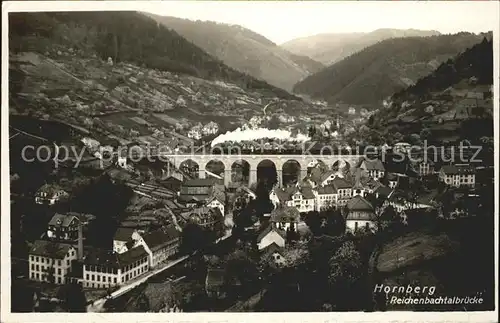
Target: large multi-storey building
[160, 244]
[103, 269]
[458, 175]
[51, 261]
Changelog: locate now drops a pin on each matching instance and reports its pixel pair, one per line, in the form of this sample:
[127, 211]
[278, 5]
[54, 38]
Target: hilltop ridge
[244, 50]
[329, 48]
[378, 71]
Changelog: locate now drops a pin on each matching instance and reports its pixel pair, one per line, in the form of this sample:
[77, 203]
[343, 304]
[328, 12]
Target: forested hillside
[125, 37]
[244, 50]
[377, 72]
[333, 47]
[454, 102]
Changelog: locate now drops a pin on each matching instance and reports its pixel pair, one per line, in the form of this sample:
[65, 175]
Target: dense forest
[125, 37]
[244, 50]
[377, 72]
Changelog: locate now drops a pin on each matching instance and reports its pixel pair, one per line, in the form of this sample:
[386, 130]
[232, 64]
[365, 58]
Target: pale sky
[283, 21]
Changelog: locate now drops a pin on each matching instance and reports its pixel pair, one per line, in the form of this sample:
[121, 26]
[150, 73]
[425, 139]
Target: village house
[271, 235]
[208, 218]
[374, 168]
[103, 269]
[285, 218]
[160, 244]
[215, 283]
[172, 183]
[274, 254]
[402, 147]
[344, 190]
[326, 196]
[198, 191]
[392, 180]
[458, 175]
[50, 261]
[210, 128]
[125, 239]
[302, 199]
[63, 227]
[196, 132]
[217, 200]
[50, 194]
[401, 203]
[360, 213]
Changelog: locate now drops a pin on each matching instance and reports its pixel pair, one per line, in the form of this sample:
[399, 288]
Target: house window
[58, 271]
[114, 279]
[87, 277]
[98, 278]
[93, 277]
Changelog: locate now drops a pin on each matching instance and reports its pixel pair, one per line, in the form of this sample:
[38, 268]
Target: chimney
[80, 240]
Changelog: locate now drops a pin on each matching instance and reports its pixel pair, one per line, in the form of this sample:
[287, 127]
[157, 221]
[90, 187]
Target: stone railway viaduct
[254, 162]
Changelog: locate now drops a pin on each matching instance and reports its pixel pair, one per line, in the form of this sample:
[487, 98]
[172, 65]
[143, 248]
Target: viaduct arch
[253, 161]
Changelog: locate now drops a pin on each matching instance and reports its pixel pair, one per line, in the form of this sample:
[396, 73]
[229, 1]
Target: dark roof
[373, 164]
[200, 182]
[315, 175]
[392, 177]
[123, 234]
[383, 190]
[107, 258]
[157, 239]
[325, 175]
[62, 219]
[171, 180]
[132, 255]
[268, 229]
[215, 277]
[457, 169]
[359, 203]
[50, 189]
[327, 189]
[282, 195]
[50, 249]
[307, 193]
[341, 183]
[273, 247]
[285, 214]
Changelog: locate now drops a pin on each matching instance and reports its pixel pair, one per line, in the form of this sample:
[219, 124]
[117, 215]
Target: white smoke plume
[240, 135]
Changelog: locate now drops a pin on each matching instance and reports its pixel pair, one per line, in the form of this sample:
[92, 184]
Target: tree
[143, 303]
[311, 131]
[345, 270]
[73, 297]
[274, 122]
[193, 238]
[313, 221]
[425, 134]
[240, 266]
